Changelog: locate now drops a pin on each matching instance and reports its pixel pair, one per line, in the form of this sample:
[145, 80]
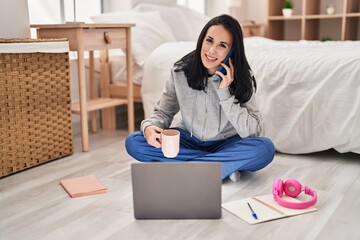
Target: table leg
[93, 93]
[130, 96]
[107, 114]
[83, 99]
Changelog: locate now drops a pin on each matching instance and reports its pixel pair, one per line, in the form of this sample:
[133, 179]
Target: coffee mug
[170, 141]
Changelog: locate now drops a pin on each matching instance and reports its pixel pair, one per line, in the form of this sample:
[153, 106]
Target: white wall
[251, 9]
[254, 10]
[257, 10]
[116, 5]
[14, 19]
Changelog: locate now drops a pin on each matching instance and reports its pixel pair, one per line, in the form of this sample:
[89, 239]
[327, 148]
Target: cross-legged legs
[234, 153]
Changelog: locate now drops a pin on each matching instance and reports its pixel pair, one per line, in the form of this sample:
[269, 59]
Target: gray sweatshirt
[210, 115]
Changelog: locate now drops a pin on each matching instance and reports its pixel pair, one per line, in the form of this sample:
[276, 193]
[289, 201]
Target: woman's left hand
[229, 77]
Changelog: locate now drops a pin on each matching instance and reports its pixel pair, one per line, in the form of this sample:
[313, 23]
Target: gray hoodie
[210, 115]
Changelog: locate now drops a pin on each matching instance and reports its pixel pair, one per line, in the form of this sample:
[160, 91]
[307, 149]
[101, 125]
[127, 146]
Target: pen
[252, 211]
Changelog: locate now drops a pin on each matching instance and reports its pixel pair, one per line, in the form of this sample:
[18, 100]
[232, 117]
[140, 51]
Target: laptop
[190, 190]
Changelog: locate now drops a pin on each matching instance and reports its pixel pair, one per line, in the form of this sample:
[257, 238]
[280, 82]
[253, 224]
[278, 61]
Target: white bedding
[308, 92]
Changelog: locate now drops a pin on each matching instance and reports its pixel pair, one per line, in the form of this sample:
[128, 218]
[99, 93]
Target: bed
[308, 91]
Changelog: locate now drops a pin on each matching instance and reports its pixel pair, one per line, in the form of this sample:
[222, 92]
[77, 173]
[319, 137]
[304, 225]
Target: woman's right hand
[152, 135]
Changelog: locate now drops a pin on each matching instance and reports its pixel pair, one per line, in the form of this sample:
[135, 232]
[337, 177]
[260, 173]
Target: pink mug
[170, 141]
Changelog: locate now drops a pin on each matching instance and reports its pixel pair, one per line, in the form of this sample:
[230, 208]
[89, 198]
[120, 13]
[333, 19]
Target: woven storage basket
[35, 114]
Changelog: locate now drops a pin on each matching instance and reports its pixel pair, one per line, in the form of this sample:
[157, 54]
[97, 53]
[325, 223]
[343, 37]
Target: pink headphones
[292, 188]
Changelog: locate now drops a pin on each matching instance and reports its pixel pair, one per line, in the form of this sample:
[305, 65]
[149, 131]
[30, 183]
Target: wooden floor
[34, 206]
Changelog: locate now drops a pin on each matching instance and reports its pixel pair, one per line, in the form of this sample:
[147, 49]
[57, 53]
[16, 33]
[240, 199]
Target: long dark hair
[196, 73]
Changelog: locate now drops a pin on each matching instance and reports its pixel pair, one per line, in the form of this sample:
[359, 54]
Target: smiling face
[216, 45]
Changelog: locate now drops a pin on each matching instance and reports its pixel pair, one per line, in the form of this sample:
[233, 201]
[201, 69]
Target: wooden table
[90, 37]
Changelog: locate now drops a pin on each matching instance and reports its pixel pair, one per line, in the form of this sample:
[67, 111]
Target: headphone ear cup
[292, 188]
[277, 188]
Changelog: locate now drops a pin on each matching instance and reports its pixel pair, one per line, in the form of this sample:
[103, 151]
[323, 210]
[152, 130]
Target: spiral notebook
[265, 207]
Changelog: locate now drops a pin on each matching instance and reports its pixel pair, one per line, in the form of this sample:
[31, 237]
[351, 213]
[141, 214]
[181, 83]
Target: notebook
[176, 190]
[265, 207]
[83, 186]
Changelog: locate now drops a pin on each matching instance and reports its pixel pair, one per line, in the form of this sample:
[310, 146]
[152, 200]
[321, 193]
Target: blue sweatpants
[234, 153]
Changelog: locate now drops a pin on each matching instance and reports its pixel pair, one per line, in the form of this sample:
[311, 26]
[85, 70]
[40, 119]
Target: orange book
[83, 186]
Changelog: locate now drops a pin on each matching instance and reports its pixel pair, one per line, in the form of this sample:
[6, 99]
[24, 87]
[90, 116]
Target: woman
[220, 120]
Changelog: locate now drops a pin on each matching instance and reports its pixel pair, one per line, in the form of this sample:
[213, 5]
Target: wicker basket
[35, 114]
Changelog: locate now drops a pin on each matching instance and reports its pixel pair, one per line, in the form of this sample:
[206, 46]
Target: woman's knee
[138, 148]
[267, 149]
[133, 141]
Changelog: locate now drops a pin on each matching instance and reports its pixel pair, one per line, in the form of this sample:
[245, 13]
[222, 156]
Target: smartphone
[226, 61]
